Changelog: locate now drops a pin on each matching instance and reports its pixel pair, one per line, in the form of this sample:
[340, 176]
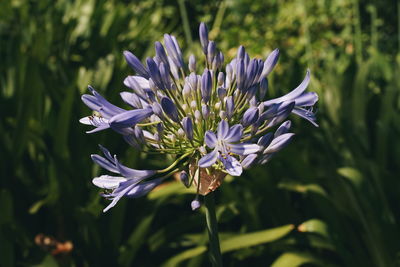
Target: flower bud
[192, 63]
[185, 108]
[136, 65]
[169, 108]
[211, 51]
[181, 133]
[160, 52]
[250, 116]
[188, 127]
[205, 110]
[221, 93]
[263, 88]
[222, 115]
[203, 33]
[217, 106]
[184, 177]
[195, 204]
[230, 106]
[221, 78]
[206, 85]
[193, 104]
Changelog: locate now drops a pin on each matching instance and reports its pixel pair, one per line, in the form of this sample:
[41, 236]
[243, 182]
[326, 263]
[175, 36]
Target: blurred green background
[332, 198]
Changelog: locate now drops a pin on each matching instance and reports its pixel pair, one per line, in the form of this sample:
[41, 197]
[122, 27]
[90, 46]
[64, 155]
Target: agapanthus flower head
[213, 119]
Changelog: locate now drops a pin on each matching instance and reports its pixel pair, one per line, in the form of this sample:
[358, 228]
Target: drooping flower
[214, 120]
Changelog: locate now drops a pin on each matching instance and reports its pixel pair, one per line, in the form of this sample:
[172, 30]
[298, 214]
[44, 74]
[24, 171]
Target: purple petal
[136, 175]
[106, 153]
[232, 165]
[169, 108]
[278, 143]
[270, 62]
[265, 140]
[135, 64]
[284, 128]
[203, 33]
[229, 106]
[210, 139]
[160, 52]
[235, 133]
[306, 114]
[104, 163]
[250, 116]
[143, 188]
[248, 161]
[131, 99]
[130, 118]
[293, 94]
[108, 182]
[244, 149]
[206, 86]
[122, 190]
[208, 159]
[240, 74]
[307, 99]
[188, 127]
[223, 130]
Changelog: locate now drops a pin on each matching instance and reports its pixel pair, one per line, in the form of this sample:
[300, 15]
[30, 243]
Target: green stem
[211, 218]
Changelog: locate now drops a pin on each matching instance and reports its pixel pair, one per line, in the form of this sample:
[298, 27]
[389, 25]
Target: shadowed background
[331, 198]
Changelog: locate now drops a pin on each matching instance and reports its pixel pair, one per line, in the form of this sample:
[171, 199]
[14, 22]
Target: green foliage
[337, 184]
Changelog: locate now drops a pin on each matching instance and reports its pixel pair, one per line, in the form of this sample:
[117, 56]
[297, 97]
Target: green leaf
[187, 254]
[293, 259]
[169, 189]
[314, 226]
[255, 238]
[352, 174]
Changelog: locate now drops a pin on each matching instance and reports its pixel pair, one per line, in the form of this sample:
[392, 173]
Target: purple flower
[224, 145]
[182, 110]
[128, 184]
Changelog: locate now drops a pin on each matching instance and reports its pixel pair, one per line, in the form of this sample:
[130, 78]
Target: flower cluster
[214, 120]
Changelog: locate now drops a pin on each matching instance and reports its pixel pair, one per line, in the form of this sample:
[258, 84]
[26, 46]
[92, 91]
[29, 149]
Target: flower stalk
[212, 229]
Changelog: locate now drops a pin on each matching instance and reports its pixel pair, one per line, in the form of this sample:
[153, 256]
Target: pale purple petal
[131, 99]
[104, 163]
[283, 128]
[244, 149]
[235, 133]
[108, 182]
[210, 139]
[278, 143]
[306, 114]
[188, 127]
[229, 106]
[203, 33]
[265, 140]
[208, 159]
[248, 161]
[223, 129]
[293, 94]
[136, 175]
[143, 188]
[232, 165]
[135, 64]
[169, 108]
[307, 99]
[270, 62]
[130, 118]
[250, 116]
